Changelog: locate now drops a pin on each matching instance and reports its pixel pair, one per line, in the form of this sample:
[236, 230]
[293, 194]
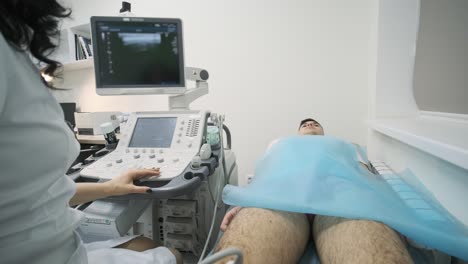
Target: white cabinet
[431, 146]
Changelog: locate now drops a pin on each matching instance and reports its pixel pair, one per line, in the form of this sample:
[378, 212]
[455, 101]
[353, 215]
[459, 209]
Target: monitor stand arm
[183, 101]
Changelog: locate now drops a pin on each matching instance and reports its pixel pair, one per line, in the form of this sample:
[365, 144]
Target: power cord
[218, 120]
[225, 253]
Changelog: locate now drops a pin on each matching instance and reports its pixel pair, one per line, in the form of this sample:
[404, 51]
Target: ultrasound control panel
[165, 140]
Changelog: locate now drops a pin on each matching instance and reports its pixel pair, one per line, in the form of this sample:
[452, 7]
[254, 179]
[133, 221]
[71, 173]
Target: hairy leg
[266, 236]
[143, 243]
[340, 240]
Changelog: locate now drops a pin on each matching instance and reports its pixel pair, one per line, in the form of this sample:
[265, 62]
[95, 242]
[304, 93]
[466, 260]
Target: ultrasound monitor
[135, 55]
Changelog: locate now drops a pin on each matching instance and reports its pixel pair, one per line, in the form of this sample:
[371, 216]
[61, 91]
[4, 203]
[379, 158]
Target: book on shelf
[86, 46]
[83, 48]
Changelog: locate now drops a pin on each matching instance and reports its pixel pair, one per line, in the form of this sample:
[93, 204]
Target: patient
[269, 236]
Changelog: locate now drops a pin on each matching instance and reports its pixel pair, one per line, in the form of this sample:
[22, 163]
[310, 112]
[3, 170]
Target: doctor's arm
[120, 185]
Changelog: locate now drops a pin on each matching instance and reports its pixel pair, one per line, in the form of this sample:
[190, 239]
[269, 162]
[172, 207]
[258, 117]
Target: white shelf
[78, 65]
[443, 137]
[66, 52]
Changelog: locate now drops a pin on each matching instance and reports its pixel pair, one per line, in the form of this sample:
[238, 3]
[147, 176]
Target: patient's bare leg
[266, 236]
[340, 240]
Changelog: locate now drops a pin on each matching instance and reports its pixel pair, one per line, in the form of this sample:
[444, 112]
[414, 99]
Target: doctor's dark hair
[32, 25]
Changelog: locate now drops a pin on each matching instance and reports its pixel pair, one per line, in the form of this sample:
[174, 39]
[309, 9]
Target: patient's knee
[267, 236]
[341, 240]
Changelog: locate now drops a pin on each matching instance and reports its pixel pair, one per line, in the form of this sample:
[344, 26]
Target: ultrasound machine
[135, 55]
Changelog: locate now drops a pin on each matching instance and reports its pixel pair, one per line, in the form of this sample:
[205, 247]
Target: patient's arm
[267, 236]
[340, 240]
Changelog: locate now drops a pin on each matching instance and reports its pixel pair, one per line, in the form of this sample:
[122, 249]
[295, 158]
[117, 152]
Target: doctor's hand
[123, 184]
[228, 217]
[120, 185]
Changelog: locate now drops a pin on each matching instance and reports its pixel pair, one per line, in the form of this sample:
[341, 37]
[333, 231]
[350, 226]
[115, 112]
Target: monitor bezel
[138, 89]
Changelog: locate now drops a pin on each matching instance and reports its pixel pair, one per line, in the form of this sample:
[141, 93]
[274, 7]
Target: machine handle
[228, 136]
[180, 185]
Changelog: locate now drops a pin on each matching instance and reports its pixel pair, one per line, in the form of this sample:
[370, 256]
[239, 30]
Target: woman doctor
[36, 148]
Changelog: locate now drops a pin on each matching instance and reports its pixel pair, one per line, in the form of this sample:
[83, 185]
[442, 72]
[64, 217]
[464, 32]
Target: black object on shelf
[69, 110]
[126, 7]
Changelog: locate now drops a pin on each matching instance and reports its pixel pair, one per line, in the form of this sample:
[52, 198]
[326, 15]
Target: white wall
[441, 72]
[391, 66]
[271, 63]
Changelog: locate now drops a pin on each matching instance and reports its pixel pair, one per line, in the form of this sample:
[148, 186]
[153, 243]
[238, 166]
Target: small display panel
[153, 132]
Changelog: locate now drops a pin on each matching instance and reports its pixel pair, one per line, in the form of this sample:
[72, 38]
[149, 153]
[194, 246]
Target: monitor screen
[137, 53]
[153, 132]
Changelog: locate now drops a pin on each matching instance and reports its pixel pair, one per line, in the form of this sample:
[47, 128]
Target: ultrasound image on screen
[153, 132]
[138, 53]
